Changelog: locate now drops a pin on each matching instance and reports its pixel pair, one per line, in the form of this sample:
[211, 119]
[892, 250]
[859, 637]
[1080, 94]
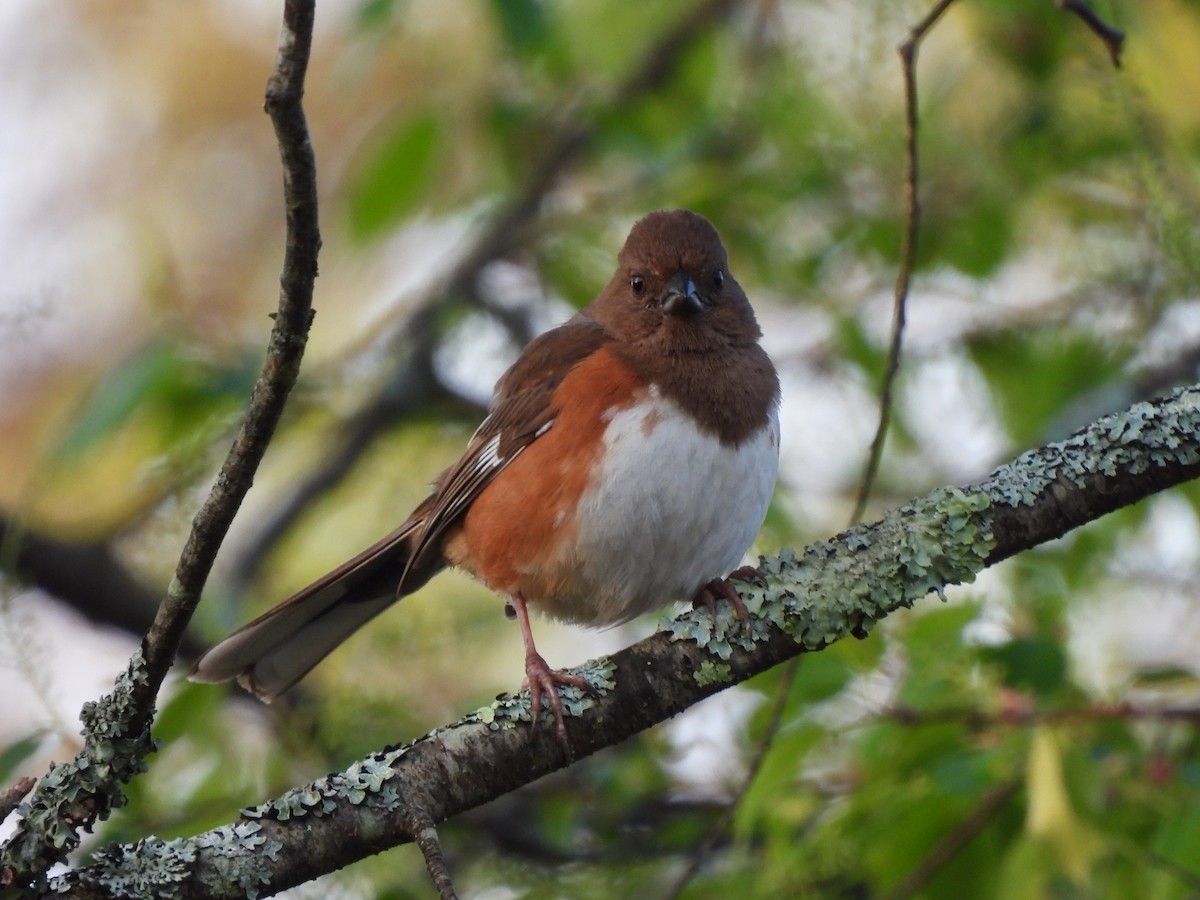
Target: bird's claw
[540, 678]
[749, 574]
[707, 597]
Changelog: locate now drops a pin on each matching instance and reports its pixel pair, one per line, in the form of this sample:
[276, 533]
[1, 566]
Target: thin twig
[978, 721]
[285, 90]
[14, 794]
[123, 718]
[1112, 38]
[908, 253]
[435, 862]
[984, 813]
[908, 53]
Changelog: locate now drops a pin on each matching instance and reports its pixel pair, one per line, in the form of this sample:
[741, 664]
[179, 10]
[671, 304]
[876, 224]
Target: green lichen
[116, 741]
[1157, 434]
[844, 585]
[154, 868]
[150, 868]
[508, 710]
[236, 857]
[369, 781]
[711, 673]
[364, 782]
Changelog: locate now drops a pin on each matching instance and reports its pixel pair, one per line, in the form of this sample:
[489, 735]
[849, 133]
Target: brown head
[673, 291]
[681, 321]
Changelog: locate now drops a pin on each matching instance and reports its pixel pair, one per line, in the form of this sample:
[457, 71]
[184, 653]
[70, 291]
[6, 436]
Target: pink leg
[540, 677]
[707, 595]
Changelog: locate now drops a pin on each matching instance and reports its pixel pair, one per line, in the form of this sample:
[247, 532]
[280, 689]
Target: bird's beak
[681, 296]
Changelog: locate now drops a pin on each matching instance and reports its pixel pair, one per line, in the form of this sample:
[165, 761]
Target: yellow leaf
[1050, 817]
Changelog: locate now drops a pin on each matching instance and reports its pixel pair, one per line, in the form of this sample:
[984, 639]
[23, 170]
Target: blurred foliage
[973, 748]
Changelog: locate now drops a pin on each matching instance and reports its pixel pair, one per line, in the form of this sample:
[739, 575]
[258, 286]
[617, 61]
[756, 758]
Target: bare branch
[431, 848]
[908, 253]
[1112, 38]
[117, 728]
[293, 318]
[908, 250]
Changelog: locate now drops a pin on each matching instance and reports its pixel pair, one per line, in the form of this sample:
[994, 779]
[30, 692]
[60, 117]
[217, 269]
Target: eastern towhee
[626, 462]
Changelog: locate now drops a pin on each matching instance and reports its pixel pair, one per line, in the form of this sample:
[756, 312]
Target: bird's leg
[540, 677]
[707, 595]
[748, 573]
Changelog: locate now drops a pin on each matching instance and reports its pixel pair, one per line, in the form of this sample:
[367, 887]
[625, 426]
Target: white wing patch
[489, 455]
[467, 483]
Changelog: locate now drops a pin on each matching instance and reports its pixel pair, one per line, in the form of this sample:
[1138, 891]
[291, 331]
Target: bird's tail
[270, 654]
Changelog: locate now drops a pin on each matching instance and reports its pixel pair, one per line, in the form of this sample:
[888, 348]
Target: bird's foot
[748, 573]
[540, 678]
[720, 587]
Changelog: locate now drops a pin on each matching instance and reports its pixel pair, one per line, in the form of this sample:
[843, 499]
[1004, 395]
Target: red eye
[718, 278]
[637, 285]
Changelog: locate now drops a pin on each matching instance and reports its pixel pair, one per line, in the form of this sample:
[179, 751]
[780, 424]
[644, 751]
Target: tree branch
[1112, 38]
[11, 796]
[1023, 717]
[835, 588]
[117, 728]
[426, 839]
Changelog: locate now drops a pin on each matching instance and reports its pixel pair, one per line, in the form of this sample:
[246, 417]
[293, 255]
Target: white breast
[669, 509]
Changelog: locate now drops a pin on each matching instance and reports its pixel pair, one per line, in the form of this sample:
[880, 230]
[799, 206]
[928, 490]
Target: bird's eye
[637, 284]
[718, 278]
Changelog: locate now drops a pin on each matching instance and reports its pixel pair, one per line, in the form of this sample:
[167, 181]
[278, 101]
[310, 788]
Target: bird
[627, 461]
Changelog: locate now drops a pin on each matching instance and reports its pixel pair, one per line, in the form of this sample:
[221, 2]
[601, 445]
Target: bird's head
[672, 288]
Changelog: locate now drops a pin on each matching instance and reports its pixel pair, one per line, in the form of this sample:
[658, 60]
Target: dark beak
[681, 297]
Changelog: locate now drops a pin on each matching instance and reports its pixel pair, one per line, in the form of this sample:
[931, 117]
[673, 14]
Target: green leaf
[524, 24]
[774, 800]
[396, 177]
[1068, 365]
[936, 633]
[16, 753]
[193, 708]
[376, 13]
[119, 395]
[974, 235]
[1034, 664]
[934, 645]
[164, 381]
[966, 773]
[821, 676]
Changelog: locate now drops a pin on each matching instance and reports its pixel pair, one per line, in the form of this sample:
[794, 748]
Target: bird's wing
[522, 410]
